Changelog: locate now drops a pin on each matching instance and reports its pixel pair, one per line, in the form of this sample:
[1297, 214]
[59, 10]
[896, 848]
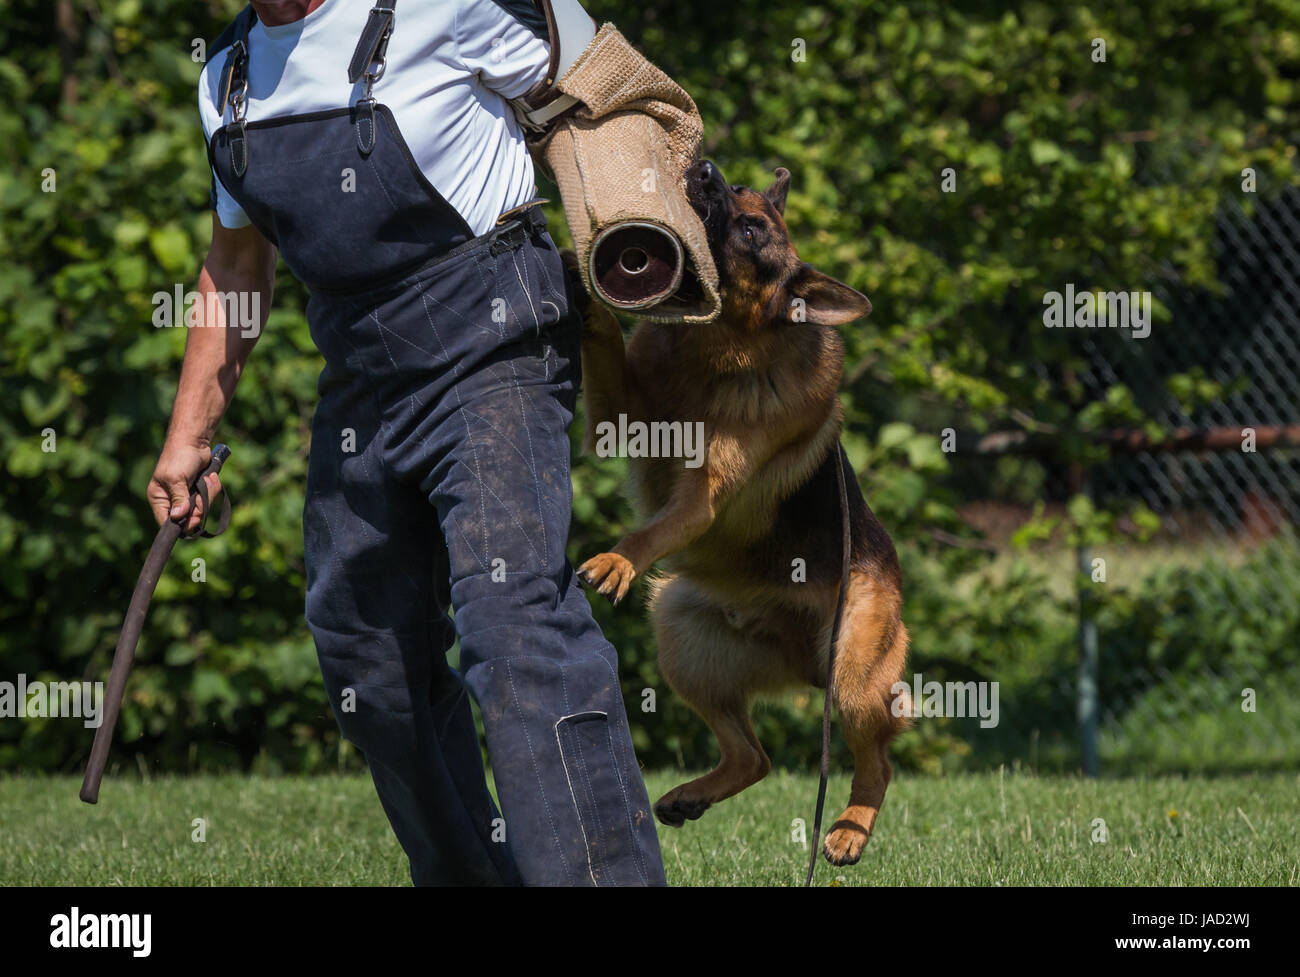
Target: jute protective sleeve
[621, 155]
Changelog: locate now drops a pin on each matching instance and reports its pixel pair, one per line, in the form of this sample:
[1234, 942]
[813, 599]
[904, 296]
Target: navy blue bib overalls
[439, 476]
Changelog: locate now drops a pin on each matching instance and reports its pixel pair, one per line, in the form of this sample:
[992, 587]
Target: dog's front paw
[610, 574]
[845, 842]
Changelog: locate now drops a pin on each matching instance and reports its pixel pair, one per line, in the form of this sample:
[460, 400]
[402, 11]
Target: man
[380, 158]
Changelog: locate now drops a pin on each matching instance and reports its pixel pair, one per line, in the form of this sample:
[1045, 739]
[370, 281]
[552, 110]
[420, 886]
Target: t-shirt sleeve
[504, 42]
[229, 213]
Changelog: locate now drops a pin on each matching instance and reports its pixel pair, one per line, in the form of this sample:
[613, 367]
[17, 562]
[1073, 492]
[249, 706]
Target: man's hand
[169, 489]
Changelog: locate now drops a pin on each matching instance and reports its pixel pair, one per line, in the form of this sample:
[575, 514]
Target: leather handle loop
[202, 531]
[199, 490]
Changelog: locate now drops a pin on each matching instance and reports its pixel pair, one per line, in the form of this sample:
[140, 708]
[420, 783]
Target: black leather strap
[234, 86]
[234, 73]
[365, 123]
[202, 531]
[238, 147]
[373, 42]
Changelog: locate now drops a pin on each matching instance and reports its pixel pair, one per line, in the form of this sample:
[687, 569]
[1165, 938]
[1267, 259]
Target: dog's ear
[826, 301]
[775, 194]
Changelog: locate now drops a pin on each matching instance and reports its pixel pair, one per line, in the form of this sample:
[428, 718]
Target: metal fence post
[1087, 693]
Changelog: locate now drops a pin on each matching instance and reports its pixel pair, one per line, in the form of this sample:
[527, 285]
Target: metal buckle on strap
[239, 138]
[539, 120]
[369, 61]
[371, 52]
[238, 102]
[232, 72]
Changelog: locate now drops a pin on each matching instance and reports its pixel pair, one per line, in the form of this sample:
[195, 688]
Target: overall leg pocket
[587, 751]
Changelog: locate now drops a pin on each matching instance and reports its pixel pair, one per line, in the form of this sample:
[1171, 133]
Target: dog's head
[763, 280]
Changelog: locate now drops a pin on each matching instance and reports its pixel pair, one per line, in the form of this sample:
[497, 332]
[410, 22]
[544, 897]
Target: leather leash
[133, 623]
[845, 560]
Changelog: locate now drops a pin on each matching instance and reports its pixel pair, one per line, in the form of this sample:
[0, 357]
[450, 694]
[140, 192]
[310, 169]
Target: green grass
[987, 829]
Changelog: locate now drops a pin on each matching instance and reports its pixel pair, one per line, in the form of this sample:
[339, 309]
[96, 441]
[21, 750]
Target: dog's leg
[716, 665]
[697, 495]
[869, 660]
[684, 519]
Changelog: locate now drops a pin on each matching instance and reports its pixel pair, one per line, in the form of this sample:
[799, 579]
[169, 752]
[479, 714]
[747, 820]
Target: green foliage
[1044, 144]
[1178, 646]
[227, 671]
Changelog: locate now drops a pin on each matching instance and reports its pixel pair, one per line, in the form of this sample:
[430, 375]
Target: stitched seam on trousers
[335, 563]
[519, 394]
[414, 402]
[549, 283]
[469, 434]
[385, 474]
[547, 280]
[532, 756]
[487, 290]
[514, 516]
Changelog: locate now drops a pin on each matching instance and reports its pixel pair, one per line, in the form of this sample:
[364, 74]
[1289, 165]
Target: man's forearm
[216, 351]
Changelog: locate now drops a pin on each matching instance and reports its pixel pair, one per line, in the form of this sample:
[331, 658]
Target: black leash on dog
[845, 559]
[133, 623]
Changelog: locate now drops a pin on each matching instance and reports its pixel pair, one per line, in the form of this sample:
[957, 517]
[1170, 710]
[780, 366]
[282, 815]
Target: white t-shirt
[452, 64]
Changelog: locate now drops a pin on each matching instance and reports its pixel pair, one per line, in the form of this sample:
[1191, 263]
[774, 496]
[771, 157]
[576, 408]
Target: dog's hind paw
[675, 813]
[845, 842]
[610, 575]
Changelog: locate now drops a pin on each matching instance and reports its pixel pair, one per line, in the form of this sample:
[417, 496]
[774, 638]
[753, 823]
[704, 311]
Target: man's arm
[240, 262]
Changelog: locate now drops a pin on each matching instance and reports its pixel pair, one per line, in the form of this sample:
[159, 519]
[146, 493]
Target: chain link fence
[1187, 625]
[1226, 694]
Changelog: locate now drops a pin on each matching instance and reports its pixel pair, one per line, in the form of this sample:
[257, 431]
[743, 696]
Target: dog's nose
[706, 176]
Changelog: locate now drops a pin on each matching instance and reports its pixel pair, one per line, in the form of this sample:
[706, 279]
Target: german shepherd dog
[751, 539]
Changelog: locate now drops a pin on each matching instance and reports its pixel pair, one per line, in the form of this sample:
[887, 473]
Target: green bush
[1044, 144]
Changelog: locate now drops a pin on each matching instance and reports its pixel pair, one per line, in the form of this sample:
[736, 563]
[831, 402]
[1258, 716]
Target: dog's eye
[748, 231]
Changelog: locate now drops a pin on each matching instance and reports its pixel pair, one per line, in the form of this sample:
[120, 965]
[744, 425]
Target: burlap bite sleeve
[621, 155]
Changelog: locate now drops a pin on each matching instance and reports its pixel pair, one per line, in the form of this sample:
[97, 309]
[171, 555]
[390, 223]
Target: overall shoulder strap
[234, 75]
[234, 88]
[373, 43]
[368, 61]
